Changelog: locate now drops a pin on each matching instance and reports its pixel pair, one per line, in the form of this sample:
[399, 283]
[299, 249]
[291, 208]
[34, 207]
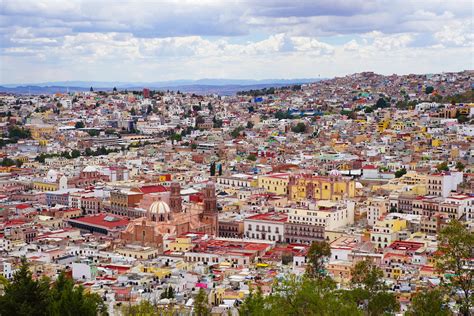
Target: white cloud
[174, 39]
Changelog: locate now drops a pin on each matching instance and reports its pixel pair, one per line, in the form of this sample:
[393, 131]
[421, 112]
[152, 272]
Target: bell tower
[175, 197]
[210, 214]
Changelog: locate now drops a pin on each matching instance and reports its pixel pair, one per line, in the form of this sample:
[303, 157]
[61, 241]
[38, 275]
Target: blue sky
[121, 40]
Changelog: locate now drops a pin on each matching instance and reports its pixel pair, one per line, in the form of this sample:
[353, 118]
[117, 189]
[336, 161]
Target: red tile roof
[152, 189]
[104, 220]
[270, 217]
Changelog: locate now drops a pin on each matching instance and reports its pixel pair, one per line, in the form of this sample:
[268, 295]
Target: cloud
[205, 38]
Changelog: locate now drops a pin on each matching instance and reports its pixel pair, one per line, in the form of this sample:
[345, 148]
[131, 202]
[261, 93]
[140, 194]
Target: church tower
[210, 215]
[175, 197]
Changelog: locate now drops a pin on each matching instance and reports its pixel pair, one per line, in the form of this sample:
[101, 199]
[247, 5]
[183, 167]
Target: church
[173, 219]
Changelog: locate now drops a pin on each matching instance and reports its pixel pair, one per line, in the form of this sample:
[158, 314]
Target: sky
[146, 41]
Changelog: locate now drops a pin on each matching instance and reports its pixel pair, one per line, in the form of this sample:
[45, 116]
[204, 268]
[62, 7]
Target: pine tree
[213, 169]
[201, 305]
[25, 296]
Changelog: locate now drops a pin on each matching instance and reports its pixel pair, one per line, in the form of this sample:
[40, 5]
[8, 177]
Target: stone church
[174, 219]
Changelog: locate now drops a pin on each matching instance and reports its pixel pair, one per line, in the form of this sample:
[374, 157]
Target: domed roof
[90, 169]
[335, 173]
[159, 207]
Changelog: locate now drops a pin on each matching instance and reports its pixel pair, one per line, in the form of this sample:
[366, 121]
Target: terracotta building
[175, 219]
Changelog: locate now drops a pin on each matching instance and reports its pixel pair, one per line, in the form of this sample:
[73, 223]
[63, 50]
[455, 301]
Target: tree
[381, 103]
[216, 122]
[25, 296]
[133, 111]
[66, 299]
[212, 169]
[299, 128]
[75, 153]
[442, 166]
[460, 166]
[400, 172]
[249, 125]
[168, 293]
[201, 305]
[143, 308]
[149, 109]
[317, 254]
[299, 296]
[368, 109]
[369, 290]
[368, 276]
[455, 249]
[220, 169]
[93, 132]
[428, 303]
[254, 304]
[236, 132]
[15, 132]
[429, 90]
[252, 157]
[79, 124]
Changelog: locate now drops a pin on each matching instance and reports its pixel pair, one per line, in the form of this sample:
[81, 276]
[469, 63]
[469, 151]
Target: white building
[267, 226]
[442, 184]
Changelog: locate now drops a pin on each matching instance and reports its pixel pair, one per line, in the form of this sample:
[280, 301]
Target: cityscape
[149, 166]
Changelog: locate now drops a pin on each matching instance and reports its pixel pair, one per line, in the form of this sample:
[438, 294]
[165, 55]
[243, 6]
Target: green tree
[400, 172]
[79, 124]
[428, 303]
[381, 103]
[299, 128]
[23, 295]
[252, 157]
[236, 132]
[149, 109]
[201, 305]
[369, 290]
[216, 122]
[93, 132]
[220, 169]
[460, 166]
[254, 304]
[15, 132]
[455, 249]
[144, 308]
[212, 169]
[442, 166]
[299, 296]
[133, 111]
[75, 153]
[429, 90]
[317, 254]
[67, 299]
[249, 125]
[176, 137]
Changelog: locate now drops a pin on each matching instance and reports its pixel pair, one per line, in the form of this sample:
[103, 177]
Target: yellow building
[436, 142]
[45, 186]
[386, 231]
[42, 131]
[181, 244]
[160, 273]
[383, 125]
[334, 187]
[274, 183]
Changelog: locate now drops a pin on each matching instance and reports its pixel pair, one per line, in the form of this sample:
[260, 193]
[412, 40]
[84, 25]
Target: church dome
[335, 173]
[159, 207]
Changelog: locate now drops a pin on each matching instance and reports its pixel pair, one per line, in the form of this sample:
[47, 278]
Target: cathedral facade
[174, 219]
